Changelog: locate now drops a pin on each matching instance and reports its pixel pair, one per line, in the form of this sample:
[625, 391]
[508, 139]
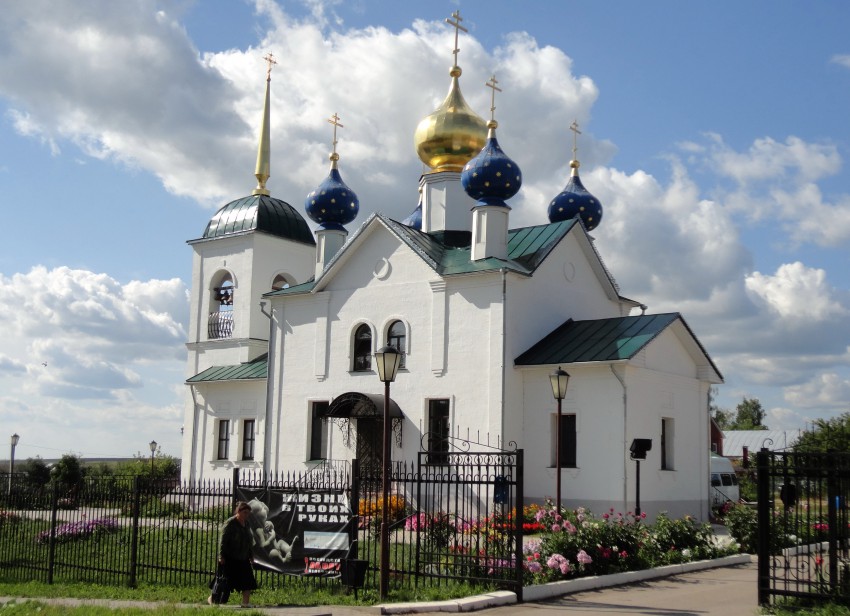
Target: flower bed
[73, 531]
[577, 544]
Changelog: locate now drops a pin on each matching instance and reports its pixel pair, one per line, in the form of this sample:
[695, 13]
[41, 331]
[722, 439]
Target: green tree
[826, 434]
[722, 416]
[749, 415]
[37, 472]
[68, 471]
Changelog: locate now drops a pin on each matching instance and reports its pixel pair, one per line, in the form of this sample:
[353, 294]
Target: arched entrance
[368, 412]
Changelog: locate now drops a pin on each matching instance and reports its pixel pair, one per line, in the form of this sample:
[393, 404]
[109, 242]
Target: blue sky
[715, 135]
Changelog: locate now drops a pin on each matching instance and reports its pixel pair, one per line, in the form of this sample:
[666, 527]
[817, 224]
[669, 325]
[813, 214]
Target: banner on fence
[299, 531]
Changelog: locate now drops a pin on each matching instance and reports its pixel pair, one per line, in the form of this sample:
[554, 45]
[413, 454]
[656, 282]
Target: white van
[724, 483]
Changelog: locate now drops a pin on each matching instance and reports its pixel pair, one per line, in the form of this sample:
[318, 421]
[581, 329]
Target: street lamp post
[387, 360]
[14, 442]
[559, 381]
[152, 445]
[638, 450]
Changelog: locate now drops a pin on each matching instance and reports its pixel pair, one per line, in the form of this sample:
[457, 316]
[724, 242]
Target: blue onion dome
[414, 221]
[574, 201]
[491, 177]
[333, 204]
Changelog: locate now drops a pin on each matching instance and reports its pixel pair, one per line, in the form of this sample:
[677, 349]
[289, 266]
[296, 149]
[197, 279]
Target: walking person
[234, 553]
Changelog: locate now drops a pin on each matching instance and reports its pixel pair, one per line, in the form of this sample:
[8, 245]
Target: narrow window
[318, 430]
[397, 337]
[568, 441]
[438, 431]
[362, 349]
[223, 438]
[666, 444]
[248, 439]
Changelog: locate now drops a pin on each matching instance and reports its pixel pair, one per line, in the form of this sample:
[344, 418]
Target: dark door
[369, 446]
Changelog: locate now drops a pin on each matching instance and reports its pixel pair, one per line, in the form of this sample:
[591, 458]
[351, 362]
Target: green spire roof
[260, 213]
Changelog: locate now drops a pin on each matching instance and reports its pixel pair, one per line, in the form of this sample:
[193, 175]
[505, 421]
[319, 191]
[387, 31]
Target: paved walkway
[725, 591]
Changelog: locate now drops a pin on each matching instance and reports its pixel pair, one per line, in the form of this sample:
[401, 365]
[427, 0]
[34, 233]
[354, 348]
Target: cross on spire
[334, 119]
[456, 25]
[492, 84]
[576, 133]
[270, 59]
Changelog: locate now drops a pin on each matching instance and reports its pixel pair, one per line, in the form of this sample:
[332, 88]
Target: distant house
[736, 442]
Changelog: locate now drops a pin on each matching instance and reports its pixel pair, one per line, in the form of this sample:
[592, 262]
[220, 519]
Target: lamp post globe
[387, 361]
[559, 381]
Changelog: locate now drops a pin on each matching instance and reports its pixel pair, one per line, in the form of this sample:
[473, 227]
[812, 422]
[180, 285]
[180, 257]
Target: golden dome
[451, 136]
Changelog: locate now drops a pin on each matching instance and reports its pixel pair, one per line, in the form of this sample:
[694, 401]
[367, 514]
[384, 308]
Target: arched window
[397, 337]
[362, 349]
[280, 282]
[224, 294]
[220, 324]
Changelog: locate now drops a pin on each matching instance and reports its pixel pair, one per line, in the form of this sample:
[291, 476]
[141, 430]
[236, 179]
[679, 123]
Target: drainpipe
[267, 429]
[504, 353]
[625, 401]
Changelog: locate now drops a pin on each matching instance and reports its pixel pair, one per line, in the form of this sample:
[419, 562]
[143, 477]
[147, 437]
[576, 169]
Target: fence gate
[469, 513]
[803, 532]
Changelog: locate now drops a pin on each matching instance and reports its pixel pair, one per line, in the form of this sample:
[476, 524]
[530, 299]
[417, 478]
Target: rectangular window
[223, 438]
[319, 430]
[438, 431]
[667, 434]
[568, 441]
[248, 439]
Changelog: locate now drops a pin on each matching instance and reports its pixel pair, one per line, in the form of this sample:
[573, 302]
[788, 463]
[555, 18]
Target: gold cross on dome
[270, 59]
[492, 84]
[334, 119]
[576, 133]
[456, 24]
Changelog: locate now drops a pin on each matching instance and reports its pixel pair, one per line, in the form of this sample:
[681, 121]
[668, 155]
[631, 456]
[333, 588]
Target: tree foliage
[749, 415]
[826, 434]
[37, 471]
[723, 417]
[68, 471]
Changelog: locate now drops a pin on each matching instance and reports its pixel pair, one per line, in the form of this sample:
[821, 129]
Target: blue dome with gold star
[491, 177]
[575, 200]
[333, 204]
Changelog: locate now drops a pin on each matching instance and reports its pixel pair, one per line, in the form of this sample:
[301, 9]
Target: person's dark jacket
[236, 541]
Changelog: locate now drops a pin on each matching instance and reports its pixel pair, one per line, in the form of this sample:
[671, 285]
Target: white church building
[285, 321]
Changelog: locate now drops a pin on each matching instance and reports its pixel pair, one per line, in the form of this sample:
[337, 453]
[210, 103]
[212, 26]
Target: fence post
[51, 551]
[763, 518]
[518, 519]
[134, 539]
[355, 509]
[235, 486]
[832, 497]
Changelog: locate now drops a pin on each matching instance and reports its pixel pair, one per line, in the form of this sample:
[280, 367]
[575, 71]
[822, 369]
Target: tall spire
[451, 135]
[263, 168]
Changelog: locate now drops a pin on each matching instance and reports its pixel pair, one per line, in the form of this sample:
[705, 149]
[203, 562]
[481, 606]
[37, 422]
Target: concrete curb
[556, 589]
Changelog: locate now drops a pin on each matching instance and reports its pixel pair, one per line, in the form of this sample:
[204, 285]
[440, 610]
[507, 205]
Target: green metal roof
[260, 213]
[255, 369]
[448, 253]
[596, 340]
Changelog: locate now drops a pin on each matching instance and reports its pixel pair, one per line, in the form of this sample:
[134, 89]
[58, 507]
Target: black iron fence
[455, 516]
[803, 526]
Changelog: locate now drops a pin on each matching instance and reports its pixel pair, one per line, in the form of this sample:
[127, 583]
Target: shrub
[575, 544]
[742, 522]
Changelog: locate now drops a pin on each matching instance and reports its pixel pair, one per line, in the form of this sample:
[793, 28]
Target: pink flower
[605, 516]
[643, 515]
[583, 557]
[555, 528]
[624, 554]
[535, 567]
[565, 567]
